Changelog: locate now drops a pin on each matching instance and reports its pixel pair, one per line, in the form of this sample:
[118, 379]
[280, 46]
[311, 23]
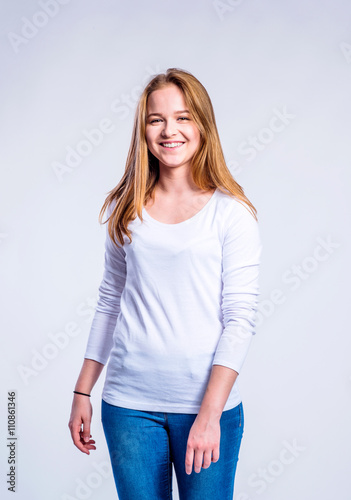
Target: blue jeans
[143, 444]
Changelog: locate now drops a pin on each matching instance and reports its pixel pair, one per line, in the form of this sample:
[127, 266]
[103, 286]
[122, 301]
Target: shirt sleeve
[242, 249]
[100, 338]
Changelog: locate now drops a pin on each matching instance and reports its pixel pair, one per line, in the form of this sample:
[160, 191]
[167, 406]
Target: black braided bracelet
[82, 393]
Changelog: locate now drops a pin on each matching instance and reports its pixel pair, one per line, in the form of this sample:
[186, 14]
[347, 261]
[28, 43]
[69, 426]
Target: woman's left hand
[203, 444]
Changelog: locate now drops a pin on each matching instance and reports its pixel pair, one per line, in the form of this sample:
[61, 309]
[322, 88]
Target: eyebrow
[176, 113]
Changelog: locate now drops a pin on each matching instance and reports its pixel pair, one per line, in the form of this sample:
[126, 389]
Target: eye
[183, 118]
[155, 120]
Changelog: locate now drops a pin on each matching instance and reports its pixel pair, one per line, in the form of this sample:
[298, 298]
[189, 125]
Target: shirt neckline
[184, 222]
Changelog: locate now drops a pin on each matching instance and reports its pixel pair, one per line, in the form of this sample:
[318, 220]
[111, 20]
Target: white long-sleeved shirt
[177, 300]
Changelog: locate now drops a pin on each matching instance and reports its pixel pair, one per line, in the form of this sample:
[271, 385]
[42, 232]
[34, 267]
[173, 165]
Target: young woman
[176, 308]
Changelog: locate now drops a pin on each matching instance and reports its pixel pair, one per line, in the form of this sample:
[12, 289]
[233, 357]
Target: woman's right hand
[81, 414]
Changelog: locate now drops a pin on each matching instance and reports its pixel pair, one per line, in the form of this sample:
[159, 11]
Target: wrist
[82, 393]
[210, 413]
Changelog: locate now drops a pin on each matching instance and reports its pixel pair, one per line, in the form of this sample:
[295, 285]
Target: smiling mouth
[171, 145]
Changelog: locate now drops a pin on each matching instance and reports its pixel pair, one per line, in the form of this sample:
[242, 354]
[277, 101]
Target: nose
[169, 128]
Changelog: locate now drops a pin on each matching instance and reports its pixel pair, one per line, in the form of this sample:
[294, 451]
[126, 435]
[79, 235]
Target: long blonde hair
[208, 166]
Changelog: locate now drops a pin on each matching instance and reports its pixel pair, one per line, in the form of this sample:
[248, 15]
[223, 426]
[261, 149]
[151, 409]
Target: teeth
[171, 145]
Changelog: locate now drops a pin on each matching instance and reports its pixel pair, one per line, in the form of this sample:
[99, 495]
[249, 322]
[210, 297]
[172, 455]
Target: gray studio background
[279, 76]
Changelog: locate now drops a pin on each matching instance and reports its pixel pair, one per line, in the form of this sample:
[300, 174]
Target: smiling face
[171, 134]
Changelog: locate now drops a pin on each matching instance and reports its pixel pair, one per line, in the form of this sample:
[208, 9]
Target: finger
[81, 433]
[207, 459]
[189, 458]
[77, 438]
[86, 443]
[86, 431]
[198, 460]
[215, 454]
[88, 446]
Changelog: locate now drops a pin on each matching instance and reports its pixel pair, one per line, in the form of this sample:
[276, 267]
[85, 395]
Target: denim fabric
[143, 444]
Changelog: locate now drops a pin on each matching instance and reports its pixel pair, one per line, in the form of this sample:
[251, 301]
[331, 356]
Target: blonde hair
[208, 166]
